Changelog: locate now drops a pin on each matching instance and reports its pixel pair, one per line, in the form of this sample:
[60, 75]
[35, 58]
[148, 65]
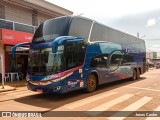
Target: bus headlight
[40, 83]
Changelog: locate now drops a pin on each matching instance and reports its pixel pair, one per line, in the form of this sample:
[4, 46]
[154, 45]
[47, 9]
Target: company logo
[46, 38]
[8, 36]
[73, 83]
[114, 60]
[6, 114]
[134, 49]
[80, 83]
[28, 38]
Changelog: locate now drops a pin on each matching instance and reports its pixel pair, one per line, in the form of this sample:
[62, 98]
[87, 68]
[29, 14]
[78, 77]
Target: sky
[129, 16]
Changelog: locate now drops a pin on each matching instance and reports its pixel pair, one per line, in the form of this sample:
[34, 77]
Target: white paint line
[138, 92]
[145, 89]
[88, 100]
[155, 118]
[132, 107]
[148, 87]
[109, 104]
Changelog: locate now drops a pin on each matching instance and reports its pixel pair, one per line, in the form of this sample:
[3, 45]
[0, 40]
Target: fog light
[56, 88]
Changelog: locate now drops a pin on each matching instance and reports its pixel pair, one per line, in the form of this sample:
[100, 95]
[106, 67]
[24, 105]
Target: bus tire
[91, 83]
[138, 74]
[134, 77]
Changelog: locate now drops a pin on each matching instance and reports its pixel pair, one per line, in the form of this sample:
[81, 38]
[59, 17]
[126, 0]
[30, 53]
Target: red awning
[12, 37]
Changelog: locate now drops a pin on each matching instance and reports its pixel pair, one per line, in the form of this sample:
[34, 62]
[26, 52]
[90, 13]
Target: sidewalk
[9, 86]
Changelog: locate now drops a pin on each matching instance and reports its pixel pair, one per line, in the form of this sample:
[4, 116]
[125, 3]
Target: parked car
[157, 65]
[151, 65]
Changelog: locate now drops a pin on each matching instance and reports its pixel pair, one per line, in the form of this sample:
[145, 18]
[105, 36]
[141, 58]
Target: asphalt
[10, 86]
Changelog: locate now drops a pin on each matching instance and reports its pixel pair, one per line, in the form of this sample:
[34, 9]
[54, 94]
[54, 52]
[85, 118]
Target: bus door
[104, 70]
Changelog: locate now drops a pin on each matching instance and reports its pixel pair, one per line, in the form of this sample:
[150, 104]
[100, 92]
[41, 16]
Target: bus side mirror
[19, 45]
[54, 47]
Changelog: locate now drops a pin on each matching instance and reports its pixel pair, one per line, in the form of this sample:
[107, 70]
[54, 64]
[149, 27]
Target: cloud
[151, 22]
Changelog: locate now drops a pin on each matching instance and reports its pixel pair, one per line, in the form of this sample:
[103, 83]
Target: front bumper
[55, 87]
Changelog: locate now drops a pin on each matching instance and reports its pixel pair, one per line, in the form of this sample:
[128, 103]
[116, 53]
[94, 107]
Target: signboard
[12, 37]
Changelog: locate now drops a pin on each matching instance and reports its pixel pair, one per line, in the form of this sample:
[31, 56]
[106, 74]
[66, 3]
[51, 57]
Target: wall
[42, 17]
[18, 14]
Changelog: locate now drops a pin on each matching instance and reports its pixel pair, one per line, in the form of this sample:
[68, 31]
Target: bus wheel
[134, 77]
[138, 74]
[91, 83]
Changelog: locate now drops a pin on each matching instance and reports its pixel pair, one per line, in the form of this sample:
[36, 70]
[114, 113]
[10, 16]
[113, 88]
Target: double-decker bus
[73, 52]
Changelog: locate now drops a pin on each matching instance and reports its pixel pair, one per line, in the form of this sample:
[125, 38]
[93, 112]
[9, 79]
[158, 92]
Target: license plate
[39, 90]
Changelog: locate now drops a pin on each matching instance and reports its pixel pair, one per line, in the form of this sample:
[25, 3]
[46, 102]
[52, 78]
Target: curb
[5, 90]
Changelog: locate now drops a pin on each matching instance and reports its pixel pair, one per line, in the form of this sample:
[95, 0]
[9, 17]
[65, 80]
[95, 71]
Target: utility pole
[137, 35]
[1, 62]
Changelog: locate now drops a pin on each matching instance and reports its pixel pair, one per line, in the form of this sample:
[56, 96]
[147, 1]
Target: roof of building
[42, 6]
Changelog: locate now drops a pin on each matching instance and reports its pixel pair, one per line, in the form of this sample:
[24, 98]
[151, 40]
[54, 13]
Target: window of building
[6, 24]
[24, 28]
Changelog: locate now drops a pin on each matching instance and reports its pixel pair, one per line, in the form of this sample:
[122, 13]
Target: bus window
[80, 28]
[96, 62]
[116, 58]
[100, 61]
[51, 29]
[75, 53]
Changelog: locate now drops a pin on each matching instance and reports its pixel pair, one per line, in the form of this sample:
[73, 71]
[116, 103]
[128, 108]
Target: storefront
[9, 38]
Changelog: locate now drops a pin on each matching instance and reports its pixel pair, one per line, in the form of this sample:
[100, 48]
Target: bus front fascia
[58, 41]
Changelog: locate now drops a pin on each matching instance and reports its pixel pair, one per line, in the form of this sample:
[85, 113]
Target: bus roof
[81, 27]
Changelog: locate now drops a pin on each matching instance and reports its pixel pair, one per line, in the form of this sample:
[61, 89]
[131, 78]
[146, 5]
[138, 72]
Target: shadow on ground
[53, 101]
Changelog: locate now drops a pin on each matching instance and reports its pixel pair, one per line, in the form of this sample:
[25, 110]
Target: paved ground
[9, 86]
[125, 95]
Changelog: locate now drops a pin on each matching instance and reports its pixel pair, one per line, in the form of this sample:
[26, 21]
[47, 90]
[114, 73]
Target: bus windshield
[51, 29]
[44, 62]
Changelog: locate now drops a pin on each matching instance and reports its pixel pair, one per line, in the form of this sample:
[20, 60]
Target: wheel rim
[91, 83]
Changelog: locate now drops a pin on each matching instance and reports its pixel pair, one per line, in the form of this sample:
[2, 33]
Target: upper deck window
[52, 29]
[80, 27]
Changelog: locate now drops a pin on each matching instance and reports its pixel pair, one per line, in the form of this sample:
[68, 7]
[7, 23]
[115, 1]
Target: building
[18, 22]
[151, 57]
